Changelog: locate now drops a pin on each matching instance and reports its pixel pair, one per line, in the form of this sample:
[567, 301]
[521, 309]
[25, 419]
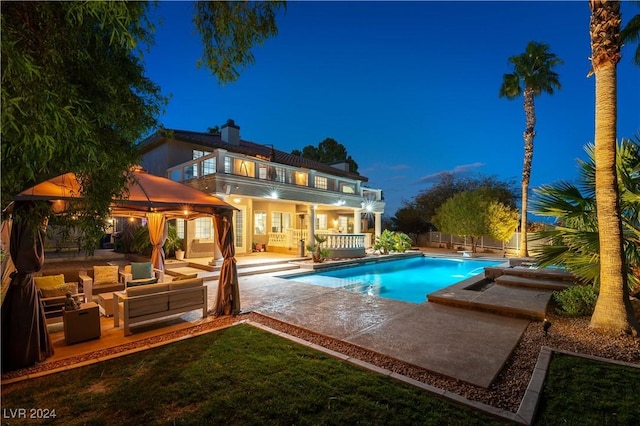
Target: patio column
[312, 224]
[378, 226]
[357, 221]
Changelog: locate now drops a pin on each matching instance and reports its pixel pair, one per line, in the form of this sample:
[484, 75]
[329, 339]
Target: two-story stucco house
[283, 200]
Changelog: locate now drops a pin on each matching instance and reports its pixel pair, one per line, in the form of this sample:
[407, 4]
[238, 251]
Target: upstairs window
[280, 175]
[302, 179]
[347, 188]
[208, 166]
[321, 182]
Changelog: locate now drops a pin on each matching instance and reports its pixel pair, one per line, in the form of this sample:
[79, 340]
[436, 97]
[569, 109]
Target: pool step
[539, 273]
[209, 275]
[518, 281]
[519, 302]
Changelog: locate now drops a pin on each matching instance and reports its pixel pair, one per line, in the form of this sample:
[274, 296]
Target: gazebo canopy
[147, 193]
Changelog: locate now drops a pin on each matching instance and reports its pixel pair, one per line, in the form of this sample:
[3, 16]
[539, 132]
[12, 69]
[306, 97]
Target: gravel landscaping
[570, 334]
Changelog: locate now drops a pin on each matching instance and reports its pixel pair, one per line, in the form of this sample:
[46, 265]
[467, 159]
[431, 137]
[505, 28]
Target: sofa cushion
[185, 277]
[105, 274]
[140, 270]
[142, 281]
[49, 281]
[60, 290]
[193, 282]
[146, 289]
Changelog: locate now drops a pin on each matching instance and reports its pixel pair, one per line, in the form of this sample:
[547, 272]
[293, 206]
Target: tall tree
[328, 151]
[410, 220]
[613, 312]
[229, 30]
[74, 95]
[532, 74]
[474, 214]
[427, 202]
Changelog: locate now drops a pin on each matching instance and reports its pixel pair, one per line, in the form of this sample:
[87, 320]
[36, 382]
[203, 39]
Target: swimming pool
[408, 280]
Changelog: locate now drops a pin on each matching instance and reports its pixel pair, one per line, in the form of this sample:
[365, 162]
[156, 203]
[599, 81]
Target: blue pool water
[408, 280]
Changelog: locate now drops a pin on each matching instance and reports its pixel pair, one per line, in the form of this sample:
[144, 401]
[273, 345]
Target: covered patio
[25, 337]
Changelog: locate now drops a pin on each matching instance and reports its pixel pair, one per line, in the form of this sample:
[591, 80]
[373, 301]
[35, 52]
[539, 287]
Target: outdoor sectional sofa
[155, 301]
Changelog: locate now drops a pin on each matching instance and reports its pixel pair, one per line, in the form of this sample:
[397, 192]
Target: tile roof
[214, 141]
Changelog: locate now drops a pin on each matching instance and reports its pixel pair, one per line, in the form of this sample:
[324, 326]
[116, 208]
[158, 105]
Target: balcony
[241, 169]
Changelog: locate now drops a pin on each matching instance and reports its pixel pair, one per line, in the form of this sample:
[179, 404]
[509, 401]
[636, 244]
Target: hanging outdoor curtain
[158, 232]
[25, 339]
[7, 263]
[228, 300]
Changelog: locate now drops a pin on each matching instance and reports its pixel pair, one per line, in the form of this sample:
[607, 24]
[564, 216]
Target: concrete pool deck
[464, 344]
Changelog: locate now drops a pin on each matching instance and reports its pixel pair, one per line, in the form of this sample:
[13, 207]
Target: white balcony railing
[291, 238]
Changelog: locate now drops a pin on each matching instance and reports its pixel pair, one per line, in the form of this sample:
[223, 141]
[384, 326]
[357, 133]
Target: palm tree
[532, 74]
[613, 312]
[574, 241]
[631, 34]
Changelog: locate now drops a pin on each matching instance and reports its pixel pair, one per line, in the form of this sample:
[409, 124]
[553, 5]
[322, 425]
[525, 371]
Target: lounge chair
[52, 292]
[101, 279]
[140, 273]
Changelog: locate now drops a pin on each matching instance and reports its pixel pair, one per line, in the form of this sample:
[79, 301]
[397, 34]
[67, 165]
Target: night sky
[409, 88]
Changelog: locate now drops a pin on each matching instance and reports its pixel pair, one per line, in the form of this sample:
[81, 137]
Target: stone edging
[531, 399]
[487, 409]
[142, 347]
[525, 414]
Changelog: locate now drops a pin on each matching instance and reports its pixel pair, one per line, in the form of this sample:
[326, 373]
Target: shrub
[576, 301]
[141, 243]
[392, 241]
[402, 242]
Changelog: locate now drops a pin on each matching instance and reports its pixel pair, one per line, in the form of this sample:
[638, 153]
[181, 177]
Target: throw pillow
[105, 274]
[141, 270]
[60, 290]
[49, 281]
[184, 277]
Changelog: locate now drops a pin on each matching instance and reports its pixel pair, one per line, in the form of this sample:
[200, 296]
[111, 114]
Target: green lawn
[243, 375]
[240, 375]
[580, 391]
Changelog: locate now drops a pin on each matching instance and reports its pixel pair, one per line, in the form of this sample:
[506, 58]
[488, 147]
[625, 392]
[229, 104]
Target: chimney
[230, 133]
[342, 165]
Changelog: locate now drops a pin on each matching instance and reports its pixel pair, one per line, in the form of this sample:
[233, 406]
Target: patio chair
[101, 279]
[140, 273]
[52, 293]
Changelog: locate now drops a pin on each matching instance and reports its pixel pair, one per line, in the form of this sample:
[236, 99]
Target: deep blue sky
[409, 88]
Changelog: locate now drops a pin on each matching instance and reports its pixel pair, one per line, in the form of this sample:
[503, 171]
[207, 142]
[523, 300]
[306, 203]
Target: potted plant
[318, 254]
[179, 254]
[173, 244]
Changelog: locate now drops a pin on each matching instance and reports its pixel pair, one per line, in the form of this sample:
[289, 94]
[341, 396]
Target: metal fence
[439, 239]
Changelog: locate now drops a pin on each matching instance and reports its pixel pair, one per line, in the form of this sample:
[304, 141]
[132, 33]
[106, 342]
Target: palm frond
[574, 244]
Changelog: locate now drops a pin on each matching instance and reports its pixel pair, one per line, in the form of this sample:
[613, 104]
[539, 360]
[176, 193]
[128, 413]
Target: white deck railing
[291, 238]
